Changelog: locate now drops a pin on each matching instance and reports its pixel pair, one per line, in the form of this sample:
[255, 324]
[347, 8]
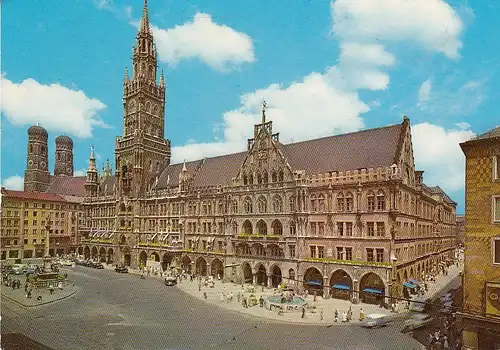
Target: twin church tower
[140, 154]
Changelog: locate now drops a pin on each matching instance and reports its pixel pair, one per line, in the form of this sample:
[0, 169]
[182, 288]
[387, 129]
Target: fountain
[287, 302]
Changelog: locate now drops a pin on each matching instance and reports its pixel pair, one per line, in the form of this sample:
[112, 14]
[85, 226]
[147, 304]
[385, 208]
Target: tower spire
[92, 166]
[162, 79]
[126, 74]
[145, 18]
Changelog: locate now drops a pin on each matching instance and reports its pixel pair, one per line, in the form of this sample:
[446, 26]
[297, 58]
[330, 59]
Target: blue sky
[324, 67]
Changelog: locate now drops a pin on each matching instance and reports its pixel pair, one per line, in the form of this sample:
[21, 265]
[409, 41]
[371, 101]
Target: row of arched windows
[258, 249]
[276, 176]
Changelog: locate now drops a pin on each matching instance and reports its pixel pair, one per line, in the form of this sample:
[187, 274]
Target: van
[376, 320]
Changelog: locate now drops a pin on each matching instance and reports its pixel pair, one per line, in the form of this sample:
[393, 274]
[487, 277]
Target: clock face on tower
[43, 165]
[68, 170]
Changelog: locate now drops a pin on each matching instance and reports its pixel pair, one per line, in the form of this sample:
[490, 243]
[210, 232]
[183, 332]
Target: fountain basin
[295, 305]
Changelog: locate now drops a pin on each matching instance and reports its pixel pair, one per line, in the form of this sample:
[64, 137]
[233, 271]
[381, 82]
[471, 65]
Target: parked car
[66, 262]
[417, 321]
[97, 265]
[170, 281]
[376, 320]
[121, 269]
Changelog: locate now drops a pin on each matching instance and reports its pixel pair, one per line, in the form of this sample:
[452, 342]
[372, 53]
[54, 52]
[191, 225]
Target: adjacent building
[460, 230]
[481, 279]
[30, 220]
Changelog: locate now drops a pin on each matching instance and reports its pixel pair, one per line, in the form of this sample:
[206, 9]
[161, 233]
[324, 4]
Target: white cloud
[81, 172]
[219, 46]
[424, 92]
[14, 183]
[437, 152]
[431, 23]
[311, 108]
[56, 107]
[445, 101]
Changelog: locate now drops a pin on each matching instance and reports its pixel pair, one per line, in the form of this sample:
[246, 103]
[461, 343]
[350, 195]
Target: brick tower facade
[36, 175]
[64, 156]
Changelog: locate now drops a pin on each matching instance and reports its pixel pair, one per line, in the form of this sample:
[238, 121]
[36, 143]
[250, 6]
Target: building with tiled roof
[348, 211]
[36, 223]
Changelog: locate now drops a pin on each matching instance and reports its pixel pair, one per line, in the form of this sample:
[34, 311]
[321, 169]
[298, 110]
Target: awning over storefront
[409, 285]
[314, 283]
[340, 286]
[372, 290]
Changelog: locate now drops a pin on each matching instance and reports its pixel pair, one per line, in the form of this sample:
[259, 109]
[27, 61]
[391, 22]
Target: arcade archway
[313, 281]
[201, 266]
[86, 253]
[94, 253]
[217, 268]
[155, 256]
[276, 277]
[109, 258]
[372, 288]
[102, 254]
[261, 275]
[186, 264]
[143, 257]
[166, 261]
[340, 285]
[247, 273]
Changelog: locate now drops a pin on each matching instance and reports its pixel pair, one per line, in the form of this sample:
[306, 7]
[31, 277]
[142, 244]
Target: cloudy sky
[324, 67]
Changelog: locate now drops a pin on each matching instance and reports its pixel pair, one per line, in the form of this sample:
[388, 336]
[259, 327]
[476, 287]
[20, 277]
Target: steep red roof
[67, 185]
[370, 148]
[32, 195]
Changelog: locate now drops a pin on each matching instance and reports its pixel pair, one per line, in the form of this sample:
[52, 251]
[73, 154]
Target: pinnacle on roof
[145, 18]
[264, 106]
[92, 153]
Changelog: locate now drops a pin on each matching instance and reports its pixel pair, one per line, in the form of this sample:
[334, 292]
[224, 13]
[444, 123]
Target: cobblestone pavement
[19, 295]
[313, 316]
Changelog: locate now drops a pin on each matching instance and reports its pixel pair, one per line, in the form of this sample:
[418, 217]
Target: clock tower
[143, 149]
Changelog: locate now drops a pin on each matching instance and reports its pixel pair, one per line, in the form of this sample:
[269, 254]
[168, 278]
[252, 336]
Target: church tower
[143, 148]
[36, 176]
[92, 182]
[64, 156]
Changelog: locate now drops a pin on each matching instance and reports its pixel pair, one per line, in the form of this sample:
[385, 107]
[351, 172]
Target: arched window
[277, 204]
[380, 200]
[262, 204]
[31, 148]
[371, 201]
[349, 201]
[250, 179]
[262, 227]
[274, 176]
[292, 204]
[321, 203]
[248, 205]
[280, 176]
[293, 228]
[245, 180]
[234, 228]
[247, 227]
[277, 227]
[340, 202]
[234, 207]
[265, 177]
[205, 208]
[221, 208]
[314, 203]
[259, 178]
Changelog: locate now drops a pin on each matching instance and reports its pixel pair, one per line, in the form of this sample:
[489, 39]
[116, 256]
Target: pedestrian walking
[336, 316]
[261, 301]
[303, 312]
[344, 317]
[239, 296]
[321, 315]
[361, 314]
[222, 297]
[315, 294]
[349, 314]
[205, 295]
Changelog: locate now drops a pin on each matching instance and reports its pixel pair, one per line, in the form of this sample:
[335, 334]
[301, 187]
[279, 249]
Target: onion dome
[63, 139]
[37, 130]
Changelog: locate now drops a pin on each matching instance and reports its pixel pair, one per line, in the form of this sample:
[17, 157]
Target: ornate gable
[265, 161]
[404, 157]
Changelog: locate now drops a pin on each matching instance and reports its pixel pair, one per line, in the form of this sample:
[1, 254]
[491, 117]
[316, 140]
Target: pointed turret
[145, 18]
[126, 79]
[183, 178]
[264, 105]
[92, 182]
[162, 79]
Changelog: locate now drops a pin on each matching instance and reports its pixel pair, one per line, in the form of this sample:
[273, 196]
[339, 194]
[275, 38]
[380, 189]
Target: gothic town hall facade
[347, 211]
